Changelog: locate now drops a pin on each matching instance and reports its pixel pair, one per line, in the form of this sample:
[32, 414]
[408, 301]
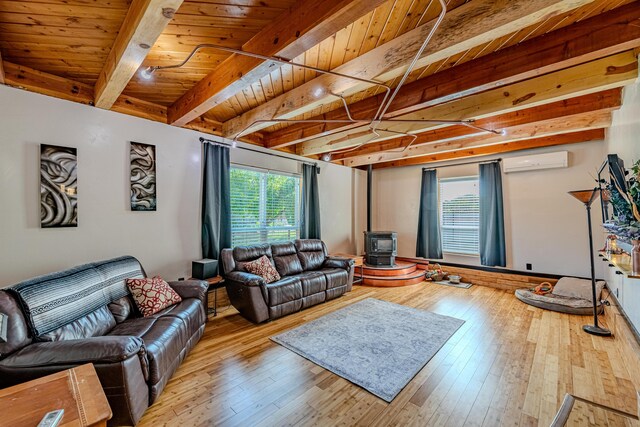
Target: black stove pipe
[369, 186]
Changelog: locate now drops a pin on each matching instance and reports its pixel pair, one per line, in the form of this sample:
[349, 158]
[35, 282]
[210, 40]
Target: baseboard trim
[489, 269]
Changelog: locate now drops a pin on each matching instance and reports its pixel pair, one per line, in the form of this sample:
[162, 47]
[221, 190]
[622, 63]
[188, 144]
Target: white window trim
[265, 170]
[453, 179]
[262, 215]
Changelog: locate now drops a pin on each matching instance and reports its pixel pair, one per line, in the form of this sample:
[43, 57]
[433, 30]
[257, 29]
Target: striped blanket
[54, 300]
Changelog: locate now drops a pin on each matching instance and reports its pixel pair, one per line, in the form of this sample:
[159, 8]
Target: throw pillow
[152, 295]
[576, 288]
[263, 268]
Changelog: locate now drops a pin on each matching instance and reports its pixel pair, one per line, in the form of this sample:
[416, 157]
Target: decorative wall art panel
[143, 177]
[58, 186]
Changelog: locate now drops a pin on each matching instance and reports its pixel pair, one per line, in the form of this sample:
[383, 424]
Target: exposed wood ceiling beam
[297, 30]
[213, 127]
[603, 35]
[505, 147]
[606, 100]
[47, 84]
[576, 122]
[602, 74]
[463, 28]
[145, 21]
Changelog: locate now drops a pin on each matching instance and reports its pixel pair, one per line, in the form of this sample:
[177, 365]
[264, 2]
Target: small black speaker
[204, 269]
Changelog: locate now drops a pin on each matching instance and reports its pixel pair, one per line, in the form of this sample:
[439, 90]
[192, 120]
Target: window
[460, 215]
[265, 206]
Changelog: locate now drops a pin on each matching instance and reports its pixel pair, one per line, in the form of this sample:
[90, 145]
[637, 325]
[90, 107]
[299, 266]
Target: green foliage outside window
[264, 206]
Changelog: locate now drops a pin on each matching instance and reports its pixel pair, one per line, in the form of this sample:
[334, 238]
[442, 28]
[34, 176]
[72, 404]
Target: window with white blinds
[265, 206]
[460, 215]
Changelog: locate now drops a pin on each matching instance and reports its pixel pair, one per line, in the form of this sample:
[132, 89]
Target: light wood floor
[509, 364]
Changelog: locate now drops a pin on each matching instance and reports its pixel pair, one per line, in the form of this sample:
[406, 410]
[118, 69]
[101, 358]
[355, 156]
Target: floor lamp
[587, 197]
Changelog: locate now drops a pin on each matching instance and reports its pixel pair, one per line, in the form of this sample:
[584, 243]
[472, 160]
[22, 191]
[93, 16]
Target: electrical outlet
[529, 266]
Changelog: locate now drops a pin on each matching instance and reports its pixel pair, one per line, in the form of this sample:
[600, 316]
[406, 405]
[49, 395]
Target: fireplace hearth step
[401, 274]
[400, 268]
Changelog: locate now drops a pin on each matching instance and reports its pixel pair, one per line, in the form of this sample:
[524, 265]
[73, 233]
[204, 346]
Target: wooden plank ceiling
[538, 72]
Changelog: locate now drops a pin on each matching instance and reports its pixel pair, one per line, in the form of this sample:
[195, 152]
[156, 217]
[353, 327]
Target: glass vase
[635, 257]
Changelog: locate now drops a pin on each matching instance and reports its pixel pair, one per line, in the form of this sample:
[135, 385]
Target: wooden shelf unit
[624, 286]
[622, 262]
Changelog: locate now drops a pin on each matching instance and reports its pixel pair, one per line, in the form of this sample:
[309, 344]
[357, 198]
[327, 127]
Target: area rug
[454, 285]
[375, 344]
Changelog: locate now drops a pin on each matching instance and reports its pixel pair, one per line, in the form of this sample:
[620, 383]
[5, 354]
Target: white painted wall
[623, 137]
[544, 225]
[165, 241]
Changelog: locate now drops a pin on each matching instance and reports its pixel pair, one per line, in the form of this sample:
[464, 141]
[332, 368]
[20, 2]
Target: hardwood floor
[509, 364]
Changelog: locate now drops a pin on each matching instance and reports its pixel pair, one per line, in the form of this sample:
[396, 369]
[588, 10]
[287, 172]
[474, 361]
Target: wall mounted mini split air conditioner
[534, 162]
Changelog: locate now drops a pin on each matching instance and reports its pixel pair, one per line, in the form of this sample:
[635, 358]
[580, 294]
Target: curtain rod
[225, 144]
[462, 164]
[264, 169]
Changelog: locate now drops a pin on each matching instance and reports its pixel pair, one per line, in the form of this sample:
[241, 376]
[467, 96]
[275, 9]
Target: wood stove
[381, 248]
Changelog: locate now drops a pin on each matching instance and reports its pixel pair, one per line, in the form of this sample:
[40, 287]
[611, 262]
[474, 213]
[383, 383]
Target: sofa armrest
[338, 262]
[248, 294]
[103, 349]
[245, 278]
[191, 289]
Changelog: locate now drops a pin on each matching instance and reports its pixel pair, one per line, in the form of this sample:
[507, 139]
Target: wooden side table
[77, 391]
[215, 283]
[358, 261]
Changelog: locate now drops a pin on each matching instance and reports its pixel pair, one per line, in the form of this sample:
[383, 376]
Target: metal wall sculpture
[143, 177]
[58, 186]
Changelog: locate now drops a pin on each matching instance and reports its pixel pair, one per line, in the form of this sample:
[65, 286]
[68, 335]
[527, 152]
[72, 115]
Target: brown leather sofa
[134, 356]
[308, 277]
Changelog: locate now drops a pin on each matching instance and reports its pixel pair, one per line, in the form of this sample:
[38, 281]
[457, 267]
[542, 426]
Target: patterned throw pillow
[152, 295]
[263, 268]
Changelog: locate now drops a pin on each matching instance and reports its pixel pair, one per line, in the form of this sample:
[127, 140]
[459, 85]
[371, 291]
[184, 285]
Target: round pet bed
[558, 303]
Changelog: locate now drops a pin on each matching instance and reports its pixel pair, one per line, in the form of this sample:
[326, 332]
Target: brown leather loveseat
[308, 277]
[87, 315]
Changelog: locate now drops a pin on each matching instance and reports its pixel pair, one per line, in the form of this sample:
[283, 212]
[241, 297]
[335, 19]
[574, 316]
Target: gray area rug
[454, 285]
[375, 344]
